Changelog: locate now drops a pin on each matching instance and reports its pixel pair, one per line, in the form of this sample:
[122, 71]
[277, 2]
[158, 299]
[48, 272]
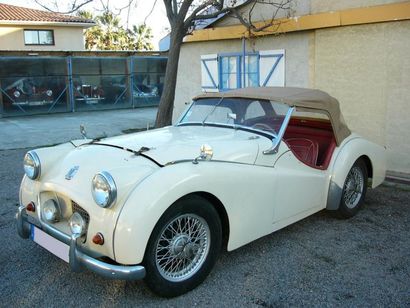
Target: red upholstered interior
[305, 149]
[312, 141]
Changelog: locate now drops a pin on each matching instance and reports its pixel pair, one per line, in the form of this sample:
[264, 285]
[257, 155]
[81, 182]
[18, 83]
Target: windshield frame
[271, 135]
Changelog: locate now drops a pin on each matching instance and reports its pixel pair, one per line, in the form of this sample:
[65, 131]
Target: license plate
[53, 245]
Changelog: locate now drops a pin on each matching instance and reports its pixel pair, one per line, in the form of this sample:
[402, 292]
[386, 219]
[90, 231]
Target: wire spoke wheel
[353, 188]
[182, 247]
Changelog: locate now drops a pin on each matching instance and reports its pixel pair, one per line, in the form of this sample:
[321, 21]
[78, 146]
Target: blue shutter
[272, 68]
[209, 73]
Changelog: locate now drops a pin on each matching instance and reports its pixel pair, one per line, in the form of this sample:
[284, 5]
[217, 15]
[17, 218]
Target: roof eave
[47, 23]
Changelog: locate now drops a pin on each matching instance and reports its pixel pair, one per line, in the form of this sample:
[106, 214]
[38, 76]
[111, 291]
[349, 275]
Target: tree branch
[150, 12]
[73, 9]
[249, 24]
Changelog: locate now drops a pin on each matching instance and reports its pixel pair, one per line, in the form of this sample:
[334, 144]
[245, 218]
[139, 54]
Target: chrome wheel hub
[353, 188]
[182, 247]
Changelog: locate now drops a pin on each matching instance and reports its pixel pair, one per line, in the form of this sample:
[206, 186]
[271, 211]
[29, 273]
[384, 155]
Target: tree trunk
[166, 105]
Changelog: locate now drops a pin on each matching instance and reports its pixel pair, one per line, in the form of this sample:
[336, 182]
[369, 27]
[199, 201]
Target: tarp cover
[294, 97]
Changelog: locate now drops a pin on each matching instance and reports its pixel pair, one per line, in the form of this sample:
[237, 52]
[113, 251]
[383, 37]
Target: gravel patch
[319, 261]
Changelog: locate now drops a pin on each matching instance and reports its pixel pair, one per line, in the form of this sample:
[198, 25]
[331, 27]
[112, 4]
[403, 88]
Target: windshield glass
[261, 115]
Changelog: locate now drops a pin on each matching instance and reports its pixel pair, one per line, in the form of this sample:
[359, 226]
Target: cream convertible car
[161, 204]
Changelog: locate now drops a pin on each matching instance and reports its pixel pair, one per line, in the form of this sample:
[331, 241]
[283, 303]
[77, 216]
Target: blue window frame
[234, 73]
[229, 72]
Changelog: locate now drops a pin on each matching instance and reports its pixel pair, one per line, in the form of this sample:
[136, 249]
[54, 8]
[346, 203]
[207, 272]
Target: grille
[77, 208]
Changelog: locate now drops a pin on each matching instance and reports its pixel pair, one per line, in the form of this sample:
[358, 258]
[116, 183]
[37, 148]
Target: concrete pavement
[40, 130]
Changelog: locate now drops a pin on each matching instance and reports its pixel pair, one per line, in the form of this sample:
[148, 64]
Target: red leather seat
[304, 149]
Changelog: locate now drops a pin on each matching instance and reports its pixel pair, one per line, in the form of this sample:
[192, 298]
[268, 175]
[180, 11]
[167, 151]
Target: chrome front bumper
[79, 260]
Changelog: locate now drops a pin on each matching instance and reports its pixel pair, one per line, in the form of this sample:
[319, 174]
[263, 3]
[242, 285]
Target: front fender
[250, 216]
[349, 152]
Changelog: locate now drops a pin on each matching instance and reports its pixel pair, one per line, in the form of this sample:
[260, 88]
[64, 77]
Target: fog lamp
[77, 224]
[50, 211]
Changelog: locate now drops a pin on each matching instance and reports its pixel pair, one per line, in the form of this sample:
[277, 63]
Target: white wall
[367, 68]
[65, 38]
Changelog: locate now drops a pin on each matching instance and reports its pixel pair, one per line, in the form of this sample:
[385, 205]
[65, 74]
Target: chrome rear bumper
[79, 260]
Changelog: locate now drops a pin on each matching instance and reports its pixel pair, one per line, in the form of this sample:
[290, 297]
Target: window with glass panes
[229, 72]
[39, 37]
[232, 70]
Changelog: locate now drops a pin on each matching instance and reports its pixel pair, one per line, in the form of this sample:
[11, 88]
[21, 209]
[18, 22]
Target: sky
[157, 20]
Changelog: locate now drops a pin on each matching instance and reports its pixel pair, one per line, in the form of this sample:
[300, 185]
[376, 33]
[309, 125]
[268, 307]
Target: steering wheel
[263, 126]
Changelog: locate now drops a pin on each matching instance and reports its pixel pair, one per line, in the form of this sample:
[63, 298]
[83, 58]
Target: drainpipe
[243, 61]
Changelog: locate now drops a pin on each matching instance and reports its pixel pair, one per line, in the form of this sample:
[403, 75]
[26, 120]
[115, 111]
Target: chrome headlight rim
[37, 165]
[112, 192]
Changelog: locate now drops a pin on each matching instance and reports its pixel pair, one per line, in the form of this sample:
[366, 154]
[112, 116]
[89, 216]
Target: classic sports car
[29, 92]
[161, 204]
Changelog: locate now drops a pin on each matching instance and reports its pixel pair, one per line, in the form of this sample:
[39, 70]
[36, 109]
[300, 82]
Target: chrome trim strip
[79, 260]
[174, 162]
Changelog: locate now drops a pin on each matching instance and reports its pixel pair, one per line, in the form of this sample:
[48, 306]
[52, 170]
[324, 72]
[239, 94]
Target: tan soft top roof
[294, 97]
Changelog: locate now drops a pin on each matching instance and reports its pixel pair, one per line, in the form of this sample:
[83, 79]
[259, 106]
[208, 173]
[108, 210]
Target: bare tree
[184, 16]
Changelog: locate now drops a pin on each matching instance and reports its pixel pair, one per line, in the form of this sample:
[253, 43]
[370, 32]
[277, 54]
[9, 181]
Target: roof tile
[18, 13]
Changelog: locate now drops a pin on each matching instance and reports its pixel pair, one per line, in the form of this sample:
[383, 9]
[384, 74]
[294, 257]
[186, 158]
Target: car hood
[175, 143]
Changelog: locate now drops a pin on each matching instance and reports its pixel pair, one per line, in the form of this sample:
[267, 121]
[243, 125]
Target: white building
[27, 29]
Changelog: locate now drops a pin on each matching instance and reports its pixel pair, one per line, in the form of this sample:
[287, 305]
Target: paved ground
[32, 131]
[320, 261]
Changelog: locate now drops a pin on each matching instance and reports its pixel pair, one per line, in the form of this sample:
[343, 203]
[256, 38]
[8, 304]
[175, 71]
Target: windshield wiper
[96, 139]
[212, 111]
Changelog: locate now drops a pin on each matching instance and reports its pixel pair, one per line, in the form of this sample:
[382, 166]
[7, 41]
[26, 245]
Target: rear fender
[350, 151]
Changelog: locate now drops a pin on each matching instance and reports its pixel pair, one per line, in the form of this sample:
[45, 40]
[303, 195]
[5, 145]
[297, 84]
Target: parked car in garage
[28, 91]
[161, 204]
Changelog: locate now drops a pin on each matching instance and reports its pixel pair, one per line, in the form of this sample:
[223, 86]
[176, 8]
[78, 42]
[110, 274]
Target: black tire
[181, 246]
[348, 207]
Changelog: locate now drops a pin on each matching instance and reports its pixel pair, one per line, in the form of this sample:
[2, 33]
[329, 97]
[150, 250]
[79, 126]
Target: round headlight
[104, 189]
[50, 211]
[77, 224]
[32, 165]
[16, 94]
[49, 92]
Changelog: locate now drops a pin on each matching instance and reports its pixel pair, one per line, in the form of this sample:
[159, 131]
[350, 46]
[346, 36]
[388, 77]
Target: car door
[298, 187]
[293, 187]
